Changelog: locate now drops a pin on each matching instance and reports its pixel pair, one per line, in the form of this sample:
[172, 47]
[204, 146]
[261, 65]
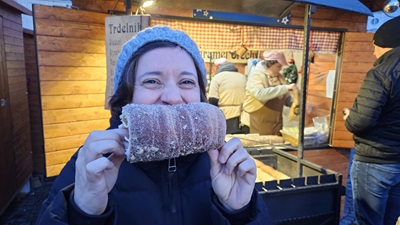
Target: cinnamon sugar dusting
[158, 132]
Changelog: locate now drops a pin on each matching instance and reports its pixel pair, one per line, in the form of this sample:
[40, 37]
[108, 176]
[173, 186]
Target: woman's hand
[291, 87]
[233, 174]
[95, 175]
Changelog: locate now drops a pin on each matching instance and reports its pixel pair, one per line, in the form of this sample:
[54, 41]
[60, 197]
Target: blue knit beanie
[158, 33]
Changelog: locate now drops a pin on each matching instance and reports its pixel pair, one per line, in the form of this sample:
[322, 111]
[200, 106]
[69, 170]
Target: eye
[187, 83]
[151, 83]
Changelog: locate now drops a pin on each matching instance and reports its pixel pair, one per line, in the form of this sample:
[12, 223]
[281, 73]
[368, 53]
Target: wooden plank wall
[96, 6]
[7, 164]
[72, 69]
[357, 59]
[35, 110]
[18, 101]
[15, 63]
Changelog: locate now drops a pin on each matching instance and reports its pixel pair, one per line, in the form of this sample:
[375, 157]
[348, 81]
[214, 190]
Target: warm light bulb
[147, 3]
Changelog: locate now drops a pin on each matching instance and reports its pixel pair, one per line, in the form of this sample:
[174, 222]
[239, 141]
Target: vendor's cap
[278, 56]
[158, 33]
[388, 34]
[227, 66]
[220, 61]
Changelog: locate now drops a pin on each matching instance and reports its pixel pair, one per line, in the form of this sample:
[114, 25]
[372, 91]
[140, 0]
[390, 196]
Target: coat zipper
[172, 190]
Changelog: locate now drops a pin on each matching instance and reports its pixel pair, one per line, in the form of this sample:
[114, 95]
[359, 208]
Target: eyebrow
[159, 73]
[189, 73]
[150, 73]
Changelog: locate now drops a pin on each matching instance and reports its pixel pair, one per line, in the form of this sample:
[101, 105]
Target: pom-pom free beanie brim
[158, 33]
[276, 56]
[227, 66]
[388, 34]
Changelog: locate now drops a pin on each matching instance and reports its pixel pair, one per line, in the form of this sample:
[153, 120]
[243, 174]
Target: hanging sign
[236, 56]
[119, 29]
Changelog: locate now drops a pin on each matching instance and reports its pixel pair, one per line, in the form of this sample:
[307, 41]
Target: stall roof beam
[349, 5]
[268, 8]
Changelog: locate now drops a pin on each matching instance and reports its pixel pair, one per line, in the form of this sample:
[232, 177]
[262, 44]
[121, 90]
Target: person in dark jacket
[374, 121]
[99, 186]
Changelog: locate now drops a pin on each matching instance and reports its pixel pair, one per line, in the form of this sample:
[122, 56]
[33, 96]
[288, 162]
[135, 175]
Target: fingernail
[221, 159]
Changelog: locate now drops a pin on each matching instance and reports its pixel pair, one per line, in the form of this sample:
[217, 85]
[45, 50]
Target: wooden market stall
[15, 142]
[72, 75]
[72, 72]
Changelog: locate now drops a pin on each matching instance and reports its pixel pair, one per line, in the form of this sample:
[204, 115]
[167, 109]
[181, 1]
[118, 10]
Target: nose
[171, 95]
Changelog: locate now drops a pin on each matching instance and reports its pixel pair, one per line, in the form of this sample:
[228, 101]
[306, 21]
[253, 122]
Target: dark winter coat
[375, 116]
[147, 193]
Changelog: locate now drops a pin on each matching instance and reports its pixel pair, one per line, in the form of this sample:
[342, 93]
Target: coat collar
[392, 53]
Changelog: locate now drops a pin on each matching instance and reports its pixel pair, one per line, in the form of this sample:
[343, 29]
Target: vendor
[266, 94]
[227, 90]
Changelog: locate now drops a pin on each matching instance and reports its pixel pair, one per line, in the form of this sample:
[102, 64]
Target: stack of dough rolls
[249, 140]
[158, 132]
[267, 173]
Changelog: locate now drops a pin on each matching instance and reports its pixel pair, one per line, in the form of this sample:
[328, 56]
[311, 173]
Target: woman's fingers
[233, 157]
[228, 149]
[248, 166]
[241, 163]
[103, 142]
[235, 160]
[233, 171]
[96, 174]
[96, 167]
[121, 132]
[112, 134]
[99, 148]
[215, 165]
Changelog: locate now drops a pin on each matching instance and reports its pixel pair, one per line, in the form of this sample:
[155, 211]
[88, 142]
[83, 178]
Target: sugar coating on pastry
[158, 132]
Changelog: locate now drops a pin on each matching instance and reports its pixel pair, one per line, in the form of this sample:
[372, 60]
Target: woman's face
[166, 76]
[275, 68]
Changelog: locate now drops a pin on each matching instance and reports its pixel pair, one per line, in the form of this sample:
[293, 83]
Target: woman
[158, 66]
[266, 94]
